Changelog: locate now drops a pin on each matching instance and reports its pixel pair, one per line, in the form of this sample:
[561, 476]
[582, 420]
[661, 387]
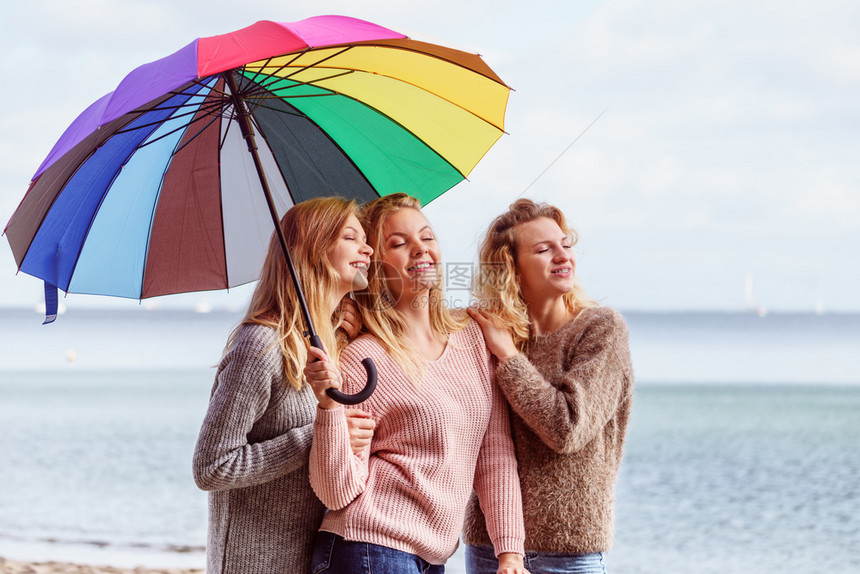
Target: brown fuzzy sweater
[571, 400]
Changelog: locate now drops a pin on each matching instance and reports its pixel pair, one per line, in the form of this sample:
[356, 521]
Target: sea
[743, 452]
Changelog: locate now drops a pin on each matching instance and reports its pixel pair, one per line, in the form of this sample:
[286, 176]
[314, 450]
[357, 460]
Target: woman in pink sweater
[564, 366]
[442, 426]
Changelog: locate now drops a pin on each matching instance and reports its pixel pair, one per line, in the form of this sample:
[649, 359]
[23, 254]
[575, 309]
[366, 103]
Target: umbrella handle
[363, 394]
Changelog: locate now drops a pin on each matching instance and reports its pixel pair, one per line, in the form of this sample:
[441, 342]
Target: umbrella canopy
[152, 189]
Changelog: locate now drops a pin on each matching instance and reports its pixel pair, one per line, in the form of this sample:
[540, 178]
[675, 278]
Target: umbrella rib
[226, 131]
[310, 83]
[208, 108]
[262, 66]
[260, 71]
[317, 63]
[264, 98]
[287, 112]
[261, 91]
[183, 92]
[202, 112]
[213, 87]
[256, 89]
[214, 119]
[159, 107]
[306, 66]
[255, 96]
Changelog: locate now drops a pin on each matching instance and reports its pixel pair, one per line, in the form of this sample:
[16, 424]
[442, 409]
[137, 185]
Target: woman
[564, 366]
[253, 448]
[442, 425]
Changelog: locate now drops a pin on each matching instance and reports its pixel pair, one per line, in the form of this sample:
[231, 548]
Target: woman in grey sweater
[252, 452]
[564, 366]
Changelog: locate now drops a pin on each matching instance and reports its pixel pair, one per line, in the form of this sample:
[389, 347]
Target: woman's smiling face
[350, 256]
[545, 261]
[410, 254]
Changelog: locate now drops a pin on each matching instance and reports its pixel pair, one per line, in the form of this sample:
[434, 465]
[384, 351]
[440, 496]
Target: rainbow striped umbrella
[172, 182]
[175, 181]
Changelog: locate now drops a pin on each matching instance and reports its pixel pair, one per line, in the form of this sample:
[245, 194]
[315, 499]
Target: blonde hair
[496, 286]
[380, 317]
[311, 229]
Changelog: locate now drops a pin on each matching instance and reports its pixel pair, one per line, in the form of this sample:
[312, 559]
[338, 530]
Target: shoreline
[8, 566]
[54, 557]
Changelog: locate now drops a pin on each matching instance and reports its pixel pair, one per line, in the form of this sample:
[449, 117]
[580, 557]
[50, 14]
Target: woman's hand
[350, 317]
[321, 372]
[498, 338]
[360, 429]
[511, 563]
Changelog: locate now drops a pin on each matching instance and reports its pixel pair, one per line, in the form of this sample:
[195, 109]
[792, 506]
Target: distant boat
[749, 297]
[203, 307]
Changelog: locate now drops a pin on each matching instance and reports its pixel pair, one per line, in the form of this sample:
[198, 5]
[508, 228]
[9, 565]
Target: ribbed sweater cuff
[336, 474]
[514, 368]
[329, 417]
[514, 545]
[514, 363]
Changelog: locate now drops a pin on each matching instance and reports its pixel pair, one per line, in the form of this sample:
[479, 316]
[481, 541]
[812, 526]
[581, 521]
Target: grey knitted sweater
[252, 454]
[571, 399]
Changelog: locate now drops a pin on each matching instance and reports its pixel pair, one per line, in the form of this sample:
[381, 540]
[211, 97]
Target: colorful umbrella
[174, 181]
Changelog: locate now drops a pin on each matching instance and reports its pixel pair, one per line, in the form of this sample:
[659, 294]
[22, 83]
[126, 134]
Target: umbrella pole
[248, 135]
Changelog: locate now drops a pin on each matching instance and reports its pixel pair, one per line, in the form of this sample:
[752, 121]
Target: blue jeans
[482, 560]
[335, 555]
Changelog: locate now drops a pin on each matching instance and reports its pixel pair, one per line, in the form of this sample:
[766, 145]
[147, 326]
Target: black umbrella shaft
[248, 134]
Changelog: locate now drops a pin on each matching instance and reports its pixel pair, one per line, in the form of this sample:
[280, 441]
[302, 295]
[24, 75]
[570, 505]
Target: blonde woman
[252, 453]
[442, 425]
[564, 367]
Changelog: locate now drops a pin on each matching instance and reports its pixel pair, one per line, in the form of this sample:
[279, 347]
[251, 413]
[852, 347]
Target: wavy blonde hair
[496, 287]
[311, 229]
[376, 302]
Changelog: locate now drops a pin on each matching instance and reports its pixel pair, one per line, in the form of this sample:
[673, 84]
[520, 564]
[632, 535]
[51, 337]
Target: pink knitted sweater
[434, 442]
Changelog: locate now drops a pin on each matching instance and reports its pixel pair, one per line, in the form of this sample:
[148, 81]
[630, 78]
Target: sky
[706, 151]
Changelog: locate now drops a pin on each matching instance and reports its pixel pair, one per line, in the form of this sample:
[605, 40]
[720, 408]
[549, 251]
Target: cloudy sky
[726, 147]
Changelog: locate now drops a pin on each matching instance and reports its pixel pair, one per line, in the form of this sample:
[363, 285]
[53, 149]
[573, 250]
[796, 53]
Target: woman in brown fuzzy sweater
[564, 366]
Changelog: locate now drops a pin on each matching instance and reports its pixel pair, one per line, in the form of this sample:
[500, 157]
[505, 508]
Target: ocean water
[742, 454]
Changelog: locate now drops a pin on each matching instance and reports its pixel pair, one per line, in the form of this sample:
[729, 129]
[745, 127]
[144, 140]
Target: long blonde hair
[380, 317]
[311, 229]
[496, 286]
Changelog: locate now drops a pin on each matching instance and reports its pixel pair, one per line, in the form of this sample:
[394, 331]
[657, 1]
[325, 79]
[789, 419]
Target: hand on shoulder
[498, 337]
[350, 317]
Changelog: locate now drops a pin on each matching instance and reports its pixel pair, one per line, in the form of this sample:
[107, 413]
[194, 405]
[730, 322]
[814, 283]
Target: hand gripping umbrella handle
[360, 396]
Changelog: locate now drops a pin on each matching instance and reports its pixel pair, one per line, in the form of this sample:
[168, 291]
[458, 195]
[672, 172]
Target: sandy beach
[22, 567]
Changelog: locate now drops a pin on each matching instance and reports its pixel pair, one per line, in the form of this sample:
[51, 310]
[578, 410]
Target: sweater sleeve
[338, 475]
[568, 413]
[223, 457]
[497, 483]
